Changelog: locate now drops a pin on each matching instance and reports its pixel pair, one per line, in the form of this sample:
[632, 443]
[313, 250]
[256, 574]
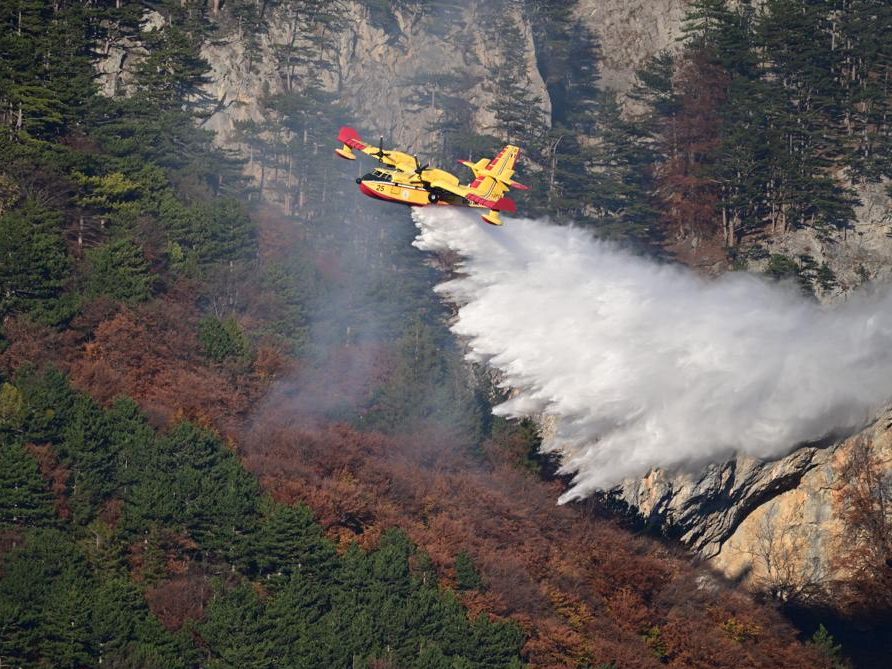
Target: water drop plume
[640, 365]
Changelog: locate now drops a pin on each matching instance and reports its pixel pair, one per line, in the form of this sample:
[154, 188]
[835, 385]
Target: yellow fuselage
[393, 192]
[405, 188]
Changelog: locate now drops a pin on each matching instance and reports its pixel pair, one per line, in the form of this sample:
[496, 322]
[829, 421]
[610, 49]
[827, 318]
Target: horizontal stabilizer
[477, 168]
[345, 153]
[498, 171]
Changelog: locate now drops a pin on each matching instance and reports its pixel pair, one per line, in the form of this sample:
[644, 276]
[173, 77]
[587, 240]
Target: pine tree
[50, 404]
[35, 265]
[621, 179]
[43, 605]
[214, 232]
[174, 70]
[91, 452]
[237, 628]
[288, 541]
[725, 34]
[120, 270]
[466, 575]
[46, 74]
[24, 498]
[190, 481]
[517, 109]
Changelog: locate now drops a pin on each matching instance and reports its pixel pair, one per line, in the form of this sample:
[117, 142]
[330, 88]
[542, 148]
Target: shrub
[466, 575]
[222, 339]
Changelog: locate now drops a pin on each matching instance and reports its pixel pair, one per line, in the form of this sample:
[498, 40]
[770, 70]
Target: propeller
[419, 169]
[381, 153]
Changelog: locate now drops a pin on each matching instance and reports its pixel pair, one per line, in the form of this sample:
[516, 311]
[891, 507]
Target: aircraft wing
[351, 140]
[449, 186]
[401, 161]
[502, 166]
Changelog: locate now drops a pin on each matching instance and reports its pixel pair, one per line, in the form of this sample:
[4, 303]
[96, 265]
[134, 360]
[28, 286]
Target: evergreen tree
[222, 339]
[174, 70]
[517, 109]
[209, 233]
[288, 541]
[120, 270]
[24, 498]
[190, 481]
[429, 383]
[466, 575]
[46, 71]
[42, 608]
[50, 404]
[724, 33]
[622, 184]
[89, 448]
[237, 628]
[35, 266]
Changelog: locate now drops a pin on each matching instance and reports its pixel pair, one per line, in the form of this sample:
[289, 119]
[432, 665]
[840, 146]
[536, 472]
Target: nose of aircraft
[358, 180]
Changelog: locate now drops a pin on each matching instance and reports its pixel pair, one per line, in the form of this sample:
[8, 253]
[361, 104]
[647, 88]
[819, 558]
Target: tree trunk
[551, 179]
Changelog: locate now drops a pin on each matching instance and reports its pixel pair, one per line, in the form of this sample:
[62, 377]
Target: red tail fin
[351, 138]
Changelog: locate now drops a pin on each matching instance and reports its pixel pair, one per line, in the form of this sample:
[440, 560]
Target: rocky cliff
[780, 526]
[629, 33]
[387, 69]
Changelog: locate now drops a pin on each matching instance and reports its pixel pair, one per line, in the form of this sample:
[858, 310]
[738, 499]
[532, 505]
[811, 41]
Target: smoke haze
[643, 365]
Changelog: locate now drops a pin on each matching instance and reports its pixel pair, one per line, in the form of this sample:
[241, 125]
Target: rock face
[705, 509]
[777, 525]
[630, 33]
[388, 69]
[855, 255]
[795, 539]
[119, 56]
[375, 70]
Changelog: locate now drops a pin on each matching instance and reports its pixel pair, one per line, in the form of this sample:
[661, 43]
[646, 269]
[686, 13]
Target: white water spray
[645, 365]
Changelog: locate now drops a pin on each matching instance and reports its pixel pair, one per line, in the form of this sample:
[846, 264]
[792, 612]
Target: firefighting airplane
[420, 185]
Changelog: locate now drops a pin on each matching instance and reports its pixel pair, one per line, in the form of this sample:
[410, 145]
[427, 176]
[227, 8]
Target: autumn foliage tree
[864, 503]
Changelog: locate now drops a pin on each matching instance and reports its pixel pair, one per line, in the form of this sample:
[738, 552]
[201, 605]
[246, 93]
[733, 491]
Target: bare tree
[782, 564]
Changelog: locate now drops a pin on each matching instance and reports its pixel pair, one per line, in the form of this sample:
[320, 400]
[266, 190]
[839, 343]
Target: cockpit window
[379, 175]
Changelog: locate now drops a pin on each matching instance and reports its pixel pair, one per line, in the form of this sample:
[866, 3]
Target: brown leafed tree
[864, 554]
[690, 140]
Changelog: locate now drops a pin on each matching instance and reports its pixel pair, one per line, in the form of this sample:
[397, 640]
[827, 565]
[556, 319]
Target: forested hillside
[240, 434]
[133, 537]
